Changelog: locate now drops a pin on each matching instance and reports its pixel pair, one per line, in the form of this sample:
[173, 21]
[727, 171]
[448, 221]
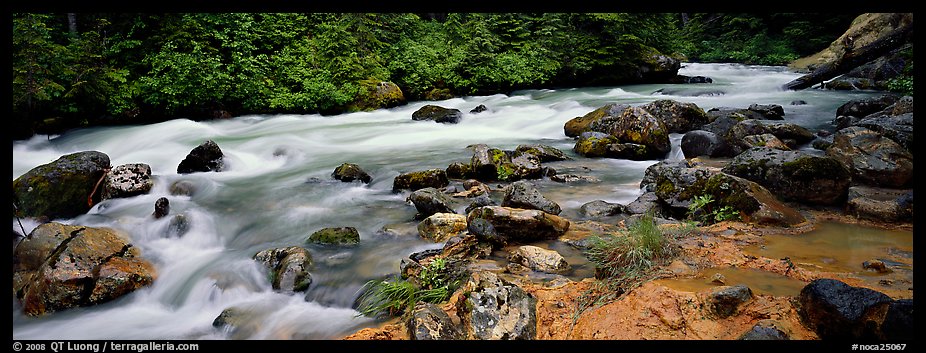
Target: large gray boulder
[871, 158]
[523, 194]
[429, 201]
[500, 224]
[288, 268]
[898, 128]
[791, 134]
[578, 125]
[678, 117]
[127, 180]
[539, 259]
[60, 266]
[880, 204]
[495, 309]
[438, 114]
[60, 189]
[698, 143]
[793, 175]
[836, 310]
[435, 178]
[207, 157]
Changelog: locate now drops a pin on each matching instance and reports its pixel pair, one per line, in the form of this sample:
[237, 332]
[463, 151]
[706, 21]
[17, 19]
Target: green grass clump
[701, 209]
[434, 284]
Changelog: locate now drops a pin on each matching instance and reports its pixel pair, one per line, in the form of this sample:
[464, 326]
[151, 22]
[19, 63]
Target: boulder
[838, 311]
[376, 94]
[879, 204]
[543, 152]
[60, 189]
[495, 309]
[60, 266]
[578, 125]
[793, 175]
[288, 267]
[349, 172]
[500, 224]
[768, 111]
[677, 117]
[822, 143]
[522, 194]
[478, 109]
[648, 202]
[207, 157]
[439, 227]
[721, 125]
[491, 164]
[438, 114]
[539, 259]
[479, 201]
[161, 207]
[766, 140]
[635, 125]
[458, 171]
[127, 180]
[429, 201]
[335, 236]
[755, 111]
[182, 188]
[793, 135]
[725, 300]
[871, 158]
[898, 323]
[601, 208]
[903, 105]
[765, 330]
[698, 143]
[429, 322]
[860, 108]
[524, 166]
[435, 178]
[670, 179]
[898, 128]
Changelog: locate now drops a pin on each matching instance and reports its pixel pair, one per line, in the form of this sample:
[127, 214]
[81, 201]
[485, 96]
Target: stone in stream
[766, 140]
[793, 175]
[429, 201]
[698, 143]
[498, 224]
[439, 227]
[522, 194]
[792, 135]
[127, 180]
[578, 125]
[836, 310]
[678, 117]
[288, 267]
[860, 108]
[543, 152]
[58, 267]
[601, 208]
[479, 201]
[438, 114]
[458, 170]
[207, 157]
[161, 207]
[429, 322]
[349, 172]
[539, 259]
[898, 128]
[182, 188]
[478, 109]
[61, 188]
[636, 125]
[435, 178]
[871, 158]
[491, 164]
[495, 309]
[335, 236]
[725, 300]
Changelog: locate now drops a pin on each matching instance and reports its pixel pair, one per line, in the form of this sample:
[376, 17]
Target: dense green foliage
[903, 84]
[702, 209]
[135, 68]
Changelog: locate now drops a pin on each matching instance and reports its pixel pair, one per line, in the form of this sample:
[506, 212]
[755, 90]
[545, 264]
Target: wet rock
[127, 180]
[898, 323]
[349, 172]
[429, 322]
[161, 207]
[335, 236]
[60, 189]
[182, 188]
[288, 267]
[766, 140]
[876, 265]
[670, 179]
[860, 108]
[435, 178]
[648, 202]
[522, 194]
[578, 125]
[879, 204]
[822, 143]
[719, 279]
[61, 266]
[438, 114]
[478, 109]
[429, 201]
[697, 143]
[903, 105]
[755, 111]
[572, 178]
[178, 226]
[871, 158]
[678, 117]
[835, 310]
[439, 227]
[465, 246]
[479, 201]
[495, 309]
[601, 208]
[793, 175]
[798, 102]
[635, 125]
[594, 144]
[543, 152]
[500, 224]
[793, 135]
[769, 111]
[691, 79]
[721, 125]
[375, 94]
[207, 157]
[458, 171]
[898, 128]
[724, 301]
[539, 259]
[765, 330]
[230, 317]
[525, 166]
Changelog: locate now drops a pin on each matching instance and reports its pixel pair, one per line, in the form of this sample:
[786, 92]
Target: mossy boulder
[871, 158]
[288, 268]
[766, 140]
[207, 157]
[127, 180]
[435, 178]
[594, 144]
[459, 171]
[669, 179]
[791, 134]
[60, 266]
[576, 126]
[544, 152]
[522, 194]
[502, 225]
[636, 125]
[439, 227]
[793, 175]
[678, 117]
[376, 94]
[754, 203]
[493, 164]
[335, 236]
[438, 114]
[60, 189]
[349, 172]
[655, 67]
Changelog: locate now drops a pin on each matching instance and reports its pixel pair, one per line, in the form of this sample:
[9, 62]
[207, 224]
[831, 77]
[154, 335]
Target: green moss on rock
[335, 236]
[60, 189]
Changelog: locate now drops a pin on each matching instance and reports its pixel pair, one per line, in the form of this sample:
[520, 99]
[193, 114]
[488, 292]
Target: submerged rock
[438, 114]
[349, 172]
[335, 236]
[288, 267]
[499, 224]
[478, 109]
[207, 157]
[435, 178]
[60, 189]
[522, 194]
[59, 267]
[127, 180]
[495, 309]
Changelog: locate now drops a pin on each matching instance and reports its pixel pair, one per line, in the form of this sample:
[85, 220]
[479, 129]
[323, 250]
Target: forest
[83, 69]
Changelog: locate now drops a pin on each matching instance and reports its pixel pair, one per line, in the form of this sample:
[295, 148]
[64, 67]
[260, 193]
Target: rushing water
[268, 198]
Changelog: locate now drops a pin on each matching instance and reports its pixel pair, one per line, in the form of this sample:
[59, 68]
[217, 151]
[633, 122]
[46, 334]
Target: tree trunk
[72, 24]
[853, 58]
